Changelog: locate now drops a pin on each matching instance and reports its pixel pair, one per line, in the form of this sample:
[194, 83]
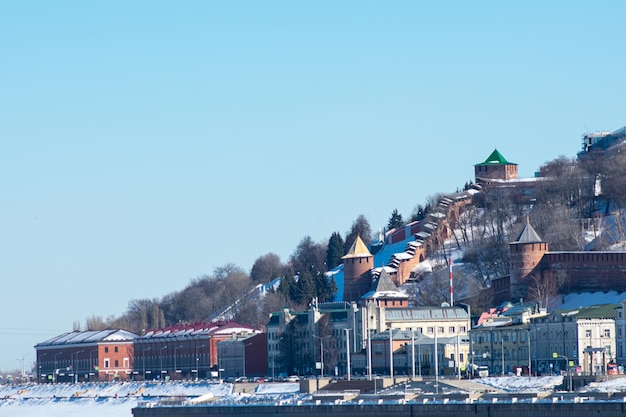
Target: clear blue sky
[145, 143]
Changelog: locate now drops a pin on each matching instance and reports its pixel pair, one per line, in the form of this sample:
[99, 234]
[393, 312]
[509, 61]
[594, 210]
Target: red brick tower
[357, 267]
[525, 254]
[496, 167]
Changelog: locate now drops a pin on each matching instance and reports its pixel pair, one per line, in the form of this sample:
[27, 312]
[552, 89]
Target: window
[440, 329]
[116, 349]
[462, 329]
[107, 363]
[117, 363]
[607, 332]
[451, 329]
[106, 349]
[431, 330]
[420, 330]
[587, 333]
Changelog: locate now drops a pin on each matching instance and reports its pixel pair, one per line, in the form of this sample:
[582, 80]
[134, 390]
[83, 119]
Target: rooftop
[496, 158]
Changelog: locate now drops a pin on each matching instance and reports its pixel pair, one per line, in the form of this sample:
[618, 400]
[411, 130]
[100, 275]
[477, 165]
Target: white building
[584, 336]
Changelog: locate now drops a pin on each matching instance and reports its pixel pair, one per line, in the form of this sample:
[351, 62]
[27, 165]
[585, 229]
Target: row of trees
[303, 278]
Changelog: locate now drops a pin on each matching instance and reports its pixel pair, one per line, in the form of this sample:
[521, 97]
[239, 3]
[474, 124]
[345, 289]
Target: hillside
[472, 227]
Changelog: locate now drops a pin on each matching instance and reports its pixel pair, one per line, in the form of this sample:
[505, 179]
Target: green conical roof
[496, 158]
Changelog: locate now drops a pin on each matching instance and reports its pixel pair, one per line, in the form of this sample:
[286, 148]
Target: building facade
[297, 341]
[106, 355]
[584, 336]
[185, 350]
[243, 356]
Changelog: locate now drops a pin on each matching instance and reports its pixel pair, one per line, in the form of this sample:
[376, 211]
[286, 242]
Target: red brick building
[495, 167]
[185, 350]
[105, 355]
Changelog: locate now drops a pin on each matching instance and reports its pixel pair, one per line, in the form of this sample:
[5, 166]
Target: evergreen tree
[420, 212]
[305, 288]
[287, 286]
[325, 289]
[395, 221]
[335, 250]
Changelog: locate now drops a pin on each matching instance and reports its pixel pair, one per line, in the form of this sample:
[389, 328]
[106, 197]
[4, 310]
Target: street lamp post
[412, 353]
[74, 358]
[55, 366]
[555, 355]
[244, 346]
[161, 357]
[419, 360]
[321, 353]
[22, 366]
[391, 353]
[198, 360]
[369, 354]
[175, 357]
[91, 365]
[529, 363]
[436, 363]
[348, 351]
[502, 346]
[144, 361]
[40, 364]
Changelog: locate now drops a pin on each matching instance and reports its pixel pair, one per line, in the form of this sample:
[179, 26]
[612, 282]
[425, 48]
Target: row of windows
[115, 349]
[605, 333]
[440, 330]
[116, 363]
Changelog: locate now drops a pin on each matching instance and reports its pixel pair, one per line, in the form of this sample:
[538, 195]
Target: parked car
[292, 378]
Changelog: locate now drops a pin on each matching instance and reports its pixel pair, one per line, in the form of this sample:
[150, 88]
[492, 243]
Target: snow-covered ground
[118, 399]
[523, 384]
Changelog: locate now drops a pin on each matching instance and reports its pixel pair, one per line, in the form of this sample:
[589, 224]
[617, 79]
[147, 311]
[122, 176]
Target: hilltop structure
[567, 271]
[603, 144]
[495, 167]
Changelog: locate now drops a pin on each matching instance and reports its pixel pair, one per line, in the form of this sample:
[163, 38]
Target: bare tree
[266, 268]
[309, 256]
[543, 289]
[95, 323]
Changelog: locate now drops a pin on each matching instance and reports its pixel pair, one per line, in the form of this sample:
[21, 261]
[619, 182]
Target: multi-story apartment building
[502, 339]
[584, 336]
[296, 340]
[503, 347]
